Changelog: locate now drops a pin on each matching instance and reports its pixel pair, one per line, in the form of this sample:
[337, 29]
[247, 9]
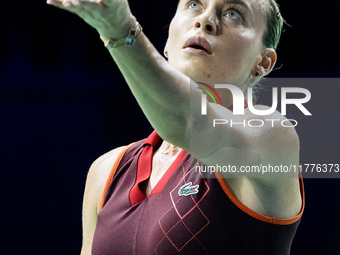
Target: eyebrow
[240, 2]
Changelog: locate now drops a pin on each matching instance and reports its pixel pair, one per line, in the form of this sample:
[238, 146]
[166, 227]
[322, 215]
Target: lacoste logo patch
[187, 189]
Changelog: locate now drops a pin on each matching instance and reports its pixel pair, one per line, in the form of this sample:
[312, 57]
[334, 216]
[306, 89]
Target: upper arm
[95, 182]
[241, 146]
[244, 140]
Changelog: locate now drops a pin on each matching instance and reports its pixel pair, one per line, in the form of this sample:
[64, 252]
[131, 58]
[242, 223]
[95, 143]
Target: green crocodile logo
[187, 189]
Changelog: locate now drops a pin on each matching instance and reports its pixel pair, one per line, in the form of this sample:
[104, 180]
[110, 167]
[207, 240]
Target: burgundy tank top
[184, 214]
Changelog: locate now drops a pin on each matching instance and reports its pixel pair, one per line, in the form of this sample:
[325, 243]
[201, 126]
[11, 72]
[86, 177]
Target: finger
[54, 2]
[60, 3]
[94, 2]
[68, 5]
[65, 5]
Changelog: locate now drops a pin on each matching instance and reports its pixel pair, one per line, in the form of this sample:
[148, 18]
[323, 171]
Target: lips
[197, 44]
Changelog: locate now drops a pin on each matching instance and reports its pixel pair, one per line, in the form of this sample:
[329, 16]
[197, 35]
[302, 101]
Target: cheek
[176, 39]
[241, 50]
[244, 42]
[180, 25]
[175, 32]
[172, 41]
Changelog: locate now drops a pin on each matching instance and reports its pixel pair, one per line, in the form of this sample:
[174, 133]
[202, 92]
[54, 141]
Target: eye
[233, 14]
[193, 5]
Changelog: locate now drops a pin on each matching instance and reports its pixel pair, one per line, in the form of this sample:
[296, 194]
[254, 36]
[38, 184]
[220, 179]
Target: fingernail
[66, 3]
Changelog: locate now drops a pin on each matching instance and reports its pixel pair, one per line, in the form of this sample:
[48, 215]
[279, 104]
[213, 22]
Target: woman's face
[230, 31]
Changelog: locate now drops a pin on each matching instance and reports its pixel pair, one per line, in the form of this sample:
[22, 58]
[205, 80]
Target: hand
[111, 18]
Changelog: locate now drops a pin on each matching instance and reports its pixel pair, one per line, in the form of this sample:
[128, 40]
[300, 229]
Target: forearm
[162, 92]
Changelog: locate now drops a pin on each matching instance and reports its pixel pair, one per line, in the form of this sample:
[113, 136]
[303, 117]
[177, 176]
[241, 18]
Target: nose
[208, 22]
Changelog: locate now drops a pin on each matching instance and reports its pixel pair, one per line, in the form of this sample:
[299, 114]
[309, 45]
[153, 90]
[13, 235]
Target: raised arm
[165, 95]
[159, 89]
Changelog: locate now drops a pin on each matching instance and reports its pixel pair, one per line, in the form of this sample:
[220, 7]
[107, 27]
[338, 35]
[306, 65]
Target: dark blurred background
[64, 103]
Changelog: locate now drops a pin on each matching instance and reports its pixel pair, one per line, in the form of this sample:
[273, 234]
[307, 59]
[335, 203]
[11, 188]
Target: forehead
[256, 6]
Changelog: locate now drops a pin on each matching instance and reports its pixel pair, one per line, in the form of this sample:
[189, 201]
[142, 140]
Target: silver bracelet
[128, 40]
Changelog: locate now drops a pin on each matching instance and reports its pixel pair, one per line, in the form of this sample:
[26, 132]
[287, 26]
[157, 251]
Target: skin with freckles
[232, 30]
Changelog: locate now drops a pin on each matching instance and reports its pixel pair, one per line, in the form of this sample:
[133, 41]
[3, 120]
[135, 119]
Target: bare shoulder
[277, 137]
[95, 183]
[99, 172]
[278, 193]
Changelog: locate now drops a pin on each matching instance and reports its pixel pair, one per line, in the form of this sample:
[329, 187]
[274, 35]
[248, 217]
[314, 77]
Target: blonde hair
[271, 39]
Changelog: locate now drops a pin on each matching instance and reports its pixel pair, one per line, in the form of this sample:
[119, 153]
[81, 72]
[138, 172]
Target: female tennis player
[156, 196]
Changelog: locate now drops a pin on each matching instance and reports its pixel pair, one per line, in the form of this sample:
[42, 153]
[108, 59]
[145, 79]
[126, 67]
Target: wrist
[129, 38]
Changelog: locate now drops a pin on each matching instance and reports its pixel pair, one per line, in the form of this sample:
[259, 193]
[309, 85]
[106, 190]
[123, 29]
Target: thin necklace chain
[169, 148]
[161, 163]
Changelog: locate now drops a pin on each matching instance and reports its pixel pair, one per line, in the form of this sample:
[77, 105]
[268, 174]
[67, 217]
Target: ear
[166, 48]
[268, 61]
